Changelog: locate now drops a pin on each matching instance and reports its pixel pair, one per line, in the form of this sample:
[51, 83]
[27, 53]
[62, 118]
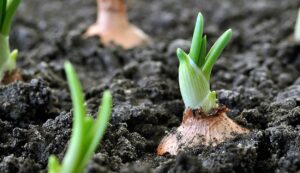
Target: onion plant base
[200, 128]
[11, 77]
[112, 26]
[127, 38]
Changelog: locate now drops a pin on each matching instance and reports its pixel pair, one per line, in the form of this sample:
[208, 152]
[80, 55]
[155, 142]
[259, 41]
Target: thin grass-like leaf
[197, 39]
[86, 132]
[215, 52]
[75, 150]
[100, 124]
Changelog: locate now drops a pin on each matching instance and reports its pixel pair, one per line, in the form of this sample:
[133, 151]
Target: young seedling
[297, 28]
[8, 72]
[86, 132]
[204, 121]
[112, 25]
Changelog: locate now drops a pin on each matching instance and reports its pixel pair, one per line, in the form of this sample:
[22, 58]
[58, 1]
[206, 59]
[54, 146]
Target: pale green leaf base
[7, 58]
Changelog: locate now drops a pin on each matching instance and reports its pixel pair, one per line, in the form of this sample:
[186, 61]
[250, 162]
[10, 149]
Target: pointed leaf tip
[68, 65]
[14, 55]
[107, 97]
[181, 55]
[229, 33]
[200, 16]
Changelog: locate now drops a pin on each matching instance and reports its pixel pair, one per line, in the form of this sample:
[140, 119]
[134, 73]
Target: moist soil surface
[257, 77]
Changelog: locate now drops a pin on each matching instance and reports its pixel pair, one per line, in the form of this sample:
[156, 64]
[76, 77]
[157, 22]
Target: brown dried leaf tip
[112, 25]
[199, 128]
[11, 77]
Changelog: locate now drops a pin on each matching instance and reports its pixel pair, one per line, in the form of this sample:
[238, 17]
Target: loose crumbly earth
[257, 77]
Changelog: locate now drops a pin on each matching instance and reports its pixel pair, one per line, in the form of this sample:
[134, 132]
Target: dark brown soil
[257, 77]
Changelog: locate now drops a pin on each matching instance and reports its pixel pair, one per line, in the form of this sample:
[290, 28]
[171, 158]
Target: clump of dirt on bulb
[11, 77]
[112, 25]
[200, 128]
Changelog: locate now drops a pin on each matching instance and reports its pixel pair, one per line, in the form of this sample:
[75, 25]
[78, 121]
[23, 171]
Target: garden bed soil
[257, 77]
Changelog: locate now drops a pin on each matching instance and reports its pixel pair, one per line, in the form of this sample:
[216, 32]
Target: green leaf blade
[75, 150]
[215, 52]
[2, 12]
[197, 39]
[76, 94]
[202, 52]
[99, 127]
[12, 6]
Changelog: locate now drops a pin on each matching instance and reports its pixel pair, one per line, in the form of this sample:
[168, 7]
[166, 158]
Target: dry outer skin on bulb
[200, 128]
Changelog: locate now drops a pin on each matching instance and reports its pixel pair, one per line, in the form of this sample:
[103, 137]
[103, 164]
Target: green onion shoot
[195, 68]
[86, 132]
[204, 122]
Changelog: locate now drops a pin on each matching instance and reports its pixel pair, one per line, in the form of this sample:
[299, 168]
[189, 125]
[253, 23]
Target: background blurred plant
[86, 132]
[112, 25]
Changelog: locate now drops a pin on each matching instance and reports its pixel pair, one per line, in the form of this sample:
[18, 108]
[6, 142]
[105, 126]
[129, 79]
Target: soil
[257, 77]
